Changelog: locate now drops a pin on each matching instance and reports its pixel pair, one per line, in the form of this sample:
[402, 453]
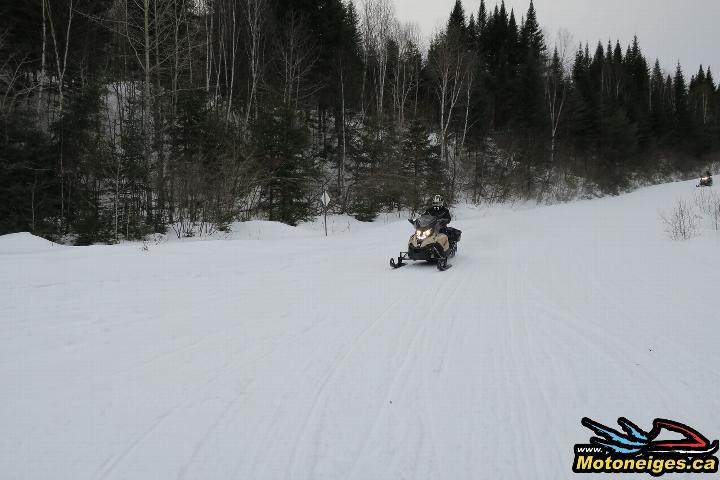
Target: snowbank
[25, 242]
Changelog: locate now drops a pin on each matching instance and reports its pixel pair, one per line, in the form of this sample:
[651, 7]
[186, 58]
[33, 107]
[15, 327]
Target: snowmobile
[430, 243]
[705, 181]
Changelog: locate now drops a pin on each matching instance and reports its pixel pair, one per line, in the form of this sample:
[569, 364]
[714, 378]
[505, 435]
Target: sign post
[325, 199]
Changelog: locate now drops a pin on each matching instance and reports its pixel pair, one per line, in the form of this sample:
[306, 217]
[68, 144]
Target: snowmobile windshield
[425, 222]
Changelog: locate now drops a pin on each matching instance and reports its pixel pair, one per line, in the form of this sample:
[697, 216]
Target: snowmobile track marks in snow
[336, 366]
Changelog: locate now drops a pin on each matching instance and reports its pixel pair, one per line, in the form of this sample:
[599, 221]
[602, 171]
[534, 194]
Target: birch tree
[377, 23]
[10, 73]
[43, 58]
[297, 54]
[255, 17]
[556, 87]
[61, 51]
[406, 68]
[448, 65]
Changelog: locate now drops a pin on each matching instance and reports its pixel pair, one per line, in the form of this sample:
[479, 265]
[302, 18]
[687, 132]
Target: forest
[123, 118]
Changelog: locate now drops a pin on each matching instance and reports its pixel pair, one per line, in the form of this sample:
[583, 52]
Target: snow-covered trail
[308, 358]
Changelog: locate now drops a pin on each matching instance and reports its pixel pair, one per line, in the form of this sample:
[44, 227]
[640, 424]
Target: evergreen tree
[682, 117]
[283, 146]
[421, 167]
[531, 36]
[482, 19]
[514, 52]
[457, 18]
[473, 34]
[531, 106]
[28, 184]
[659, 114]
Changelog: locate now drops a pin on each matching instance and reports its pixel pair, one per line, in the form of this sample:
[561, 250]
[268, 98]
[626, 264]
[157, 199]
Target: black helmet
[437, 201]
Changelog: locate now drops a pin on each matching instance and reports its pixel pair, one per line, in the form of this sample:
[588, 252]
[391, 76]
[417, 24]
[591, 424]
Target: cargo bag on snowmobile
[453, 234]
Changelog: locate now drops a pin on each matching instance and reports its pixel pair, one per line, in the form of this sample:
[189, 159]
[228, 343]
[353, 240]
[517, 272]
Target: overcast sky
[671, 30]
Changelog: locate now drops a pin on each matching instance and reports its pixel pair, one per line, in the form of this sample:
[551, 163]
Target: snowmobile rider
[439, 209]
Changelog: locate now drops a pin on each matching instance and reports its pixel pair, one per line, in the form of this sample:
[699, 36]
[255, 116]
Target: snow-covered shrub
[703, 200]
[185, 228]
[714, 212]
[708, 203]
[682, 223]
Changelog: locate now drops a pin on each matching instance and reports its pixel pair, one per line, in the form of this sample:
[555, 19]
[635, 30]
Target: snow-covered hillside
[304, 357]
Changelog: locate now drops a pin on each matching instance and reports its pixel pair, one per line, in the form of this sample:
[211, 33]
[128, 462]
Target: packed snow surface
[298, 356]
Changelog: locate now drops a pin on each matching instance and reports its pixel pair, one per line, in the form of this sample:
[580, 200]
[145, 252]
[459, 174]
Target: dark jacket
[440, 212]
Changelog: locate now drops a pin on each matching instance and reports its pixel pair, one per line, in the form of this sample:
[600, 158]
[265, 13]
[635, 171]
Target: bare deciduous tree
[9, 75]
[378, 18]
[406, 70]
[297, 55]
[255, 17]
[556, 87]
[61, 55]
[450, 69]
[682, 222]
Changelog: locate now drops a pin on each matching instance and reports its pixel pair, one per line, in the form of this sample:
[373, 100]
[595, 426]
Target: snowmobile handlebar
[442, 221]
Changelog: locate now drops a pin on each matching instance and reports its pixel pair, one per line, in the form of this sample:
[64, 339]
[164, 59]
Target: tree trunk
[43, 73]
[341, 173]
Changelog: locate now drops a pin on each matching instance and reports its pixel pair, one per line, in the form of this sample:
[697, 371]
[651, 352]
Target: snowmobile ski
[443, 265]
[397, 264]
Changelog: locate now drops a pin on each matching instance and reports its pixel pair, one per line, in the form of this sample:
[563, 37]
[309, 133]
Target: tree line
[120, 118]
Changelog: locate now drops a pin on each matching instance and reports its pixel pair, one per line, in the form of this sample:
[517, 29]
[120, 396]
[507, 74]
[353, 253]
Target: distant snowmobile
[430, 243]
[706, 181]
